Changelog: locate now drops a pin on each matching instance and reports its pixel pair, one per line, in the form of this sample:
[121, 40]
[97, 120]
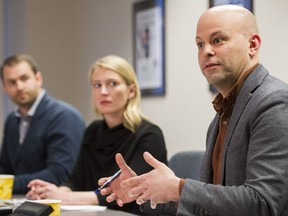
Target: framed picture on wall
[149, 46]
[244, 3]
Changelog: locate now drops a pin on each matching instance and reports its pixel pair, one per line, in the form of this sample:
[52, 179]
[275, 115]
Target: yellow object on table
[6, 186]
[55, 204]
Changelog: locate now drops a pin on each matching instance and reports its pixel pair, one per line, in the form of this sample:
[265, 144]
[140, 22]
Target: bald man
[245, 166]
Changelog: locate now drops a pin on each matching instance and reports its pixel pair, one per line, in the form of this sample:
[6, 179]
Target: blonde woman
[123, 129]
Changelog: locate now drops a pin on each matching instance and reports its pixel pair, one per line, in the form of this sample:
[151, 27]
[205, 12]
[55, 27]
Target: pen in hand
[108, 181]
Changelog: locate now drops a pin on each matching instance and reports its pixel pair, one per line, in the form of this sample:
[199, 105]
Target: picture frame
[149, 46]
[248, 4]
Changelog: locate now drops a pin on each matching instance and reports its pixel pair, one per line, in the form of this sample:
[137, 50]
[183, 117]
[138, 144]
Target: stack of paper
[83, 208]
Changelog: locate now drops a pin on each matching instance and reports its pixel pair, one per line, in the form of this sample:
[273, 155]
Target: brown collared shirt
[224, 108]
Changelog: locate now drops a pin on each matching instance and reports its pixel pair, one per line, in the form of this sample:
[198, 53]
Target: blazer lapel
[252, 82]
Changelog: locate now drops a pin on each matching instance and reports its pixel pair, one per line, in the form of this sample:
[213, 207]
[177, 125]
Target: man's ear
[39, 78]
[255, 43]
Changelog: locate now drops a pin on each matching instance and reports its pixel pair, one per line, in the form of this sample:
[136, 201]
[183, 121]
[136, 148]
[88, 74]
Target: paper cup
[6, 186]
[55, 204]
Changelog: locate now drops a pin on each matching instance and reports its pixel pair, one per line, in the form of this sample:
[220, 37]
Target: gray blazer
[255, 156]
[254, 160]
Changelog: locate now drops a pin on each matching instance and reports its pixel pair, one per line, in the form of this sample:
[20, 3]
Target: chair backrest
[187, 164]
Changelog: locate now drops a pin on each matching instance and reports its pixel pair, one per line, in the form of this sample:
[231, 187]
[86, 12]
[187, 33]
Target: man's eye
[217, 40]
[24, 78]
[200, 45]
[10, 82]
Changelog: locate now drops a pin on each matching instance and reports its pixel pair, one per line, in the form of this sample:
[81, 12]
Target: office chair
[187, 164]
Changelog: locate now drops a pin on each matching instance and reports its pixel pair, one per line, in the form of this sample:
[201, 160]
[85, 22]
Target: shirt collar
[220, 103]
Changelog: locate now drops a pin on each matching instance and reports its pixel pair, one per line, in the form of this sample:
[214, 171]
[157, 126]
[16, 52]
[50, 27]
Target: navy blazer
[51, 146]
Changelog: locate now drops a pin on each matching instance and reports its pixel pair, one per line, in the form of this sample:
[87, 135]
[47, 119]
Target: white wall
[272, 18]
[66, 37]
[185, 112]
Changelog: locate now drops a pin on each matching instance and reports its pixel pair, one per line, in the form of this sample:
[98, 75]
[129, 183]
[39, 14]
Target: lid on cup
[6, 176]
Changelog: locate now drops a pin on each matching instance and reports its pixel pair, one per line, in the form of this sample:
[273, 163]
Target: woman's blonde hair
[132, 114]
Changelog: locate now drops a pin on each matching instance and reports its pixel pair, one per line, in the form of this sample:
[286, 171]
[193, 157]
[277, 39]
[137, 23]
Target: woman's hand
[40, 189]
